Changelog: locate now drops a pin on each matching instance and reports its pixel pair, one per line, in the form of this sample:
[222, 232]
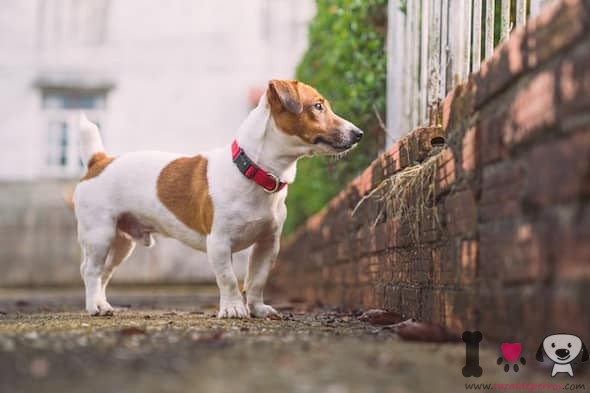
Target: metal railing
[433, 45]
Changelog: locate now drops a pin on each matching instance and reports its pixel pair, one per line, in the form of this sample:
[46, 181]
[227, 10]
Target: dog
[220, 201]
[562, 349]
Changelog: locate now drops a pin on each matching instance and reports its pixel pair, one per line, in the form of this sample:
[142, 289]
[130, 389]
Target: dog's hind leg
[121, 249]
[96, 242]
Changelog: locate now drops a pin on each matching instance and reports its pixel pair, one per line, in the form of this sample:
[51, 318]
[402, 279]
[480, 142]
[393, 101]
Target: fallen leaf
[411, 330]
[131, 331]
[380, 317]
[275, 317]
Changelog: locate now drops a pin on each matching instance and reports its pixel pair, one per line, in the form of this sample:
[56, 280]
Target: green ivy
[346, 62]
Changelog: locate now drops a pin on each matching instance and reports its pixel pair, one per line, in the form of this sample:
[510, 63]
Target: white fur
[244, 214]
[90, 141]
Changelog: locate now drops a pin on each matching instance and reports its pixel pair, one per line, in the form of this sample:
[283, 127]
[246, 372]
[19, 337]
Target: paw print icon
[511, 356]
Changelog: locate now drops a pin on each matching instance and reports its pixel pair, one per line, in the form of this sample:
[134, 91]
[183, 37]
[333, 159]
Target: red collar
[269, 182]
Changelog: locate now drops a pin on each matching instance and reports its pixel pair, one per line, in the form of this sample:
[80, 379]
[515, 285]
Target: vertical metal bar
[415, 57]
[424, 25]
[456, 41]
[467, 24]
[476, 44]
[505, 21]
[395, 73]
[489, 28]
[520, 12]
[407, 80]
[444, 46]
[434, 51]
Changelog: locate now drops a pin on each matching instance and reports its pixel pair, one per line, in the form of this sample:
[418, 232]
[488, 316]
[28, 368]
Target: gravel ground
[168, 340]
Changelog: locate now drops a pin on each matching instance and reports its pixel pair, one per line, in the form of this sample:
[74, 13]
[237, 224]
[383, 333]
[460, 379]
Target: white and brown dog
[220, 201]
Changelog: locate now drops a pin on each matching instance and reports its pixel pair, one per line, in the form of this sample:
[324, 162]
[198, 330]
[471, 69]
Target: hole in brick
[437, 141]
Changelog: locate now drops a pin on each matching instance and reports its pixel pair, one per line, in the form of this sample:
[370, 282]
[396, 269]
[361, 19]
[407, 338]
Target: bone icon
[472, 340]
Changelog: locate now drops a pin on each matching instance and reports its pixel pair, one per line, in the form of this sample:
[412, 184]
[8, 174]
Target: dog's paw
[100, 309]
[233, 309]
[262, 310]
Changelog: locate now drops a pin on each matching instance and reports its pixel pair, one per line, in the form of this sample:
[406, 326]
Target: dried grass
[409, 194]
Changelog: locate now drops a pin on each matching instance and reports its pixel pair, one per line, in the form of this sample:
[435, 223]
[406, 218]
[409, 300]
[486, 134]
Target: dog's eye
[318, 106]
[569, 345]
[552, 345]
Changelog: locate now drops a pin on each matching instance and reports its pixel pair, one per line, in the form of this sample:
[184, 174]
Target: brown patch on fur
[97, 163]
[292, 107]
[183, 189]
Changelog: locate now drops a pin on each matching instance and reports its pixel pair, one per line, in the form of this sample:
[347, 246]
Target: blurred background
[176, 77]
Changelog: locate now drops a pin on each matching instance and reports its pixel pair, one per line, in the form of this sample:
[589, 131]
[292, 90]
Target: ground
[168, 340]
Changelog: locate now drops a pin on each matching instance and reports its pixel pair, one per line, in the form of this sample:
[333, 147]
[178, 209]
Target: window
[62, 108]
[57, 152]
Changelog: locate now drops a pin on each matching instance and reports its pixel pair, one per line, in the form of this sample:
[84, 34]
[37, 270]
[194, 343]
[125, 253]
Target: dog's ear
[285, 94]
[585, 355]
[539, 356]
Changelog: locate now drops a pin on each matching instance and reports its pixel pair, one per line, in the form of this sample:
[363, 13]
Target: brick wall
[505, 245]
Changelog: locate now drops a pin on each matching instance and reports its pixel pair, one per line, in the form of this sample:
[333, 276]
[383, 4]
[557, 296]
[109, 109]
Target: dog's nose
[356, 135]
[562, 352]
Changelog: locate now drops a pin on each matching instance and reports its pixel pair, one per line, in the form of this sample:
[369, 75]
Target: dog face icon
[562, 349]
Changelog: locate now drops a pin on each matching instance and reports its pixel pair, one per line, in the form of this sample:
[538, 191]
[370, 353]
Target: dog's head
[300, 111]
[562, 348]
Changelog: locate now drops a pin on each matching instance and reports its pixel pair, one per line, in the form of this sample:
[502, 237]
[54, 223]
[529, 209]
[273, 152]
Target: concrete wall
[503, 246]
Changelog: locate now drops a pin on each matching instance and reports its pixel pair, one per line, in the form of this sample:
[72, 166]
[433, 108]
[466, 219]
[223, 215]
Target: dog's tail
[90, 140]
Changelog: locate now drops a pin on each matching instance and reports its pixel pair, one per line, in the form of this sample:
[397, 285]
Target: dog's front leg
[231, 301]
[263, 254]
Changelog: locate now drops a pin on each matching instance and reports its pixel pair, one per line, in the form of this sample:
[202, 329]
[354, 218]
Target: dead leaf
[381, 317]
[131, 331]
[275, 317]
[411, 330]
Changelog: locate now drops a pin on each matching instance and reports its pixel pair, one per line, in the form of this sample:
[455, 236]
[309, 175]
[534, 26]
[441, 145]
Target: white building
[175, 75]
[168, 75]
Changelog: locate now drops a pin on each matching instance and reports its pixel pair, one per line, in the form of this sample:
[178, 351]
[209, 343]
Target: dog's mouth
[564, 358]
[338, 147]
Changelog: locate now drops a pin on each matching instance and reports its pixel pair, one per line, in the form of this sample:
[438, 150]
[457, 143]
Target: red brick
[514, 252]
[490, 126]
[461, 213]
[559, 26]
[501, 69]
[502, 190]
[574, 89]
[571, 235]
[532, 111]
[468, 258]
[470, 155]
[559, 170]
[445, 175]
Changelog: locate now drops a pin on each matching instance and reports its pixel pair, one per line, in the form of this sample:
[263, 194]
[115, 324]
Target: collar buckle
[277, 184]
